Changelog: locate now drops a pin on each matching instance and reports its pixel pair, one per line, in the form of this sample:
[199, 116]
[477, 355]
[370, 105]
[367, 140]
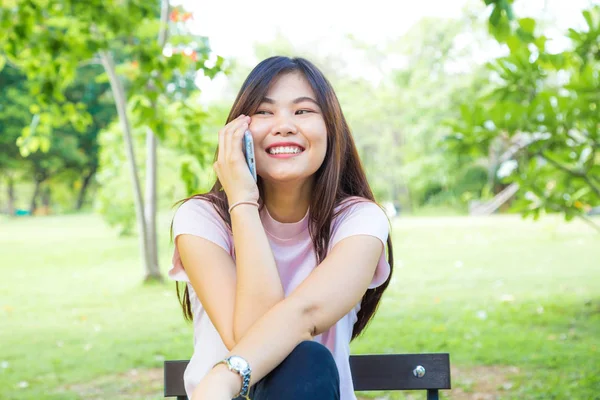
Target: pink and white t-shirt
[295, 258]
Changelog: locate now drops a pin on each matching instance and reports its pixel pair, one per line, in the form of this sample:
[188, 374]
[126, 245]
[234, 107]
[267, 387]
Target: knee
[309, 371]
[313, 357]
[312, 352]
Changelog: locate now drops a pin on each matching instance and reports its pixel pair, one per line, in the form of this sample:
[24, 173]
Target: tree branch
[163, 34]
[590, 222]
[560, 166]
[91, 61]
[578, 174]
[10, 63]
[584, 217]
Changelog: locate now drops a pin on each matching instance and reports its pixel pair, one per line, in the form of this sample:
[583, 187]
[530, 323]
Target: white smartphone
[249, 153]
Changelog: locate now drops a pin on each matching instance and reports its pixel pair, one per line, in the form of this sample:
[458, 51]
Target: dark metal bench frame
[369, 372]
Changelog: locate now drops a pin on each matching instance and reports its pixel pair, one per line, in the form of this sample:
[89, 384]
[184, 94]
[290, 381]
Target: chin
[283, 176]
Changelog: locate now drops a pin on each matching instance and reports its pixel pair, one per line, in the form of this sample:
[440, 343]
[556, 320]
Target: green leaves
[542, 112]
[527, 25]
[213, 71]
[500, 18]
[51, 39]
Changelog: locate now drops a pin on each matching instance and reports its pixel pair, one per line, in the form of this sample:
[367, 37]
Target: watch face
[238, 363]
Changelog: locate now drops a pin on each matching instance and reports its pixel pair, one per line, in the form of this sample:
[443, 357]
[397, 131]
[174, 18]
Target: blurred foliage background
[101, 114]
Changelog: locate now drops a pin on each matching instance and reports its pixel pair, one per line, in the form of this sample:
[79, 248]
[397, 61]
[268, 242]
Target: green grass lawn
[516, 304]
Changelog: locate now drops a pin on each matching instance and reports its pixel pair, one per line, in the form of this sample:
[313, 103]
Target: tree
[543, 107]
[420, 95]
[49, 39]
[13, 114]
[398, 122]
[17, 104]
[99, 103]
[63, 157]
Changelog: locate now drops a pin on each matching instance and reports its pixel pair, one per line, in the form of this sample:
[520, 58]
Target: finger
[234, 142]
[237, 145]
[232, 139]
[223, 132]
[230, 127]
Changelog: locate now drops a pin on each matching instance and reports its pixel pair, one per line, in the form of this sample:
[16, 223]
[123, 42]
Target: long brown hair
[339, 177]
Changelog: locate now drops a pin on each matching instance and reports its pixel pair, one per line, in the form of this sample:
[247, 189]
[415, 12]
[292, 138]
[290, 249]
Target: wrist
[227, 379]
[242, 204]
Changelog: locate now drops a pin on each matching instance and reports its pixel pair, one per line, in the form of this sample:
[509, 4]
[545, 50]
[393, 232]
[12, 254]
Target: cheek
[316, 131]
[318, 150]
[322, 153]
[259, 128]
[318, 137]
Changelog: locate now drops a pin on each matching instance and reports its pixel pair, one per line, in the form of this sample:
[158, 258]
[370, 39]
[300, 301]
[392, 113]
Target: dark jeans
[308, 373]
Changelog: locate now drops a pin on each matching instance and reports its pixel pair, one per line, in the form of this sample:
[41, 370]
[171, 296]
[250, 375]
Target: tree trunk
[153, 272]
[11, 195]
[46, 196]
[121, 104]
[400, 188]
[146, 215]
[84, 187]
[36, 192]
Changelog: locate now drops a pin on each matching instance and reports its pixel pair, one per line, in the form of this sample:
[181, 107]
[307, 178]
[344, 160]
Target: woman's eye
[303, 111]
[261, 112]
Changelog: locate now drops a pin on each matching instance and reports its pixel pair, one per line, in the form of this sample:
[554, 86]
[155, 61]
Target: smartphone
[249, 153]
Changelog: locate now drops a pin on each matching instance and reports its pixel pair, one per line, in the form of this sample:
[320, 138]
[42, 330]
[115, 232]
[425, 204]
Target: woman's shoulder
[196, 203]
[198, 207]
[354, 203]
[353, 207]
[359, 216]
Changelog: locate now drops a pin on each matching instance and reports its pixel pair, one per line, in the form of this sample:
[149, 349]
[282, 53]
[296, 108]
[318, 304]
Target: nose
[284, 126]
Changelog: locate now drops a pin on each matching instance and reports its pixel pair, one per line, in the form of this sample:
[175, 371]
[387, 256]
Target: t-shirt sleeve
[199, 218]
[365, 218]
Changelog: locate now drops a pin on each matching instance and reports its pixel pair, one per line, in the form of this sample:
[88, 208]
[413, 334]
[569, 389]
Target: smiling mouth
[284, 151]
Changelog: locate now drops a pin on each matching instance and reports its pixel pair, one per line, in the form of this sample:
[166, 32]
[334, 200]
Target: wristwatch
[240, 366]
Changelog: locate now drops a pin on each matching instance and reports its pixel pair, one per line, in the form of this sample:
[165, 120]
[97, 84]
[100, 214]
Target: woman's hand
[218, 384]
[231, 167]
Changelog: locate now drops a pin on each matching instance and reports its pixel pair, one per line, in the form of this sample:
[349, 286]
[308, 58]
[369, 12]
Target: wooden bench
[429, 372]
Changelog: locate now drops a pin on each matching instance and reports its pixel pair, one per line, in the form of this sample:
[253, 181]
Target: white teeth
[284, 150]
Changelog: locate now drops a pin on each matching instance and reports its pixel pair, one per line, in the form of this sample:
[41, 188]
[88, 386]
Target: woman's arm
[329, 293]
[234, 295]
[258, 285]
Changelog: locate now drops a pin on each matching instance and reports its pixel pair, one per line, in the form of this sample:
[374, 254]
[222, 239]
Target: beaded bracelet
[254, 203]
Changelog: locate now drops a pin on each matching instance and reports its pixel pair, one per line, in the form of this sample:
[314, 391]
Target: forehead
[290, 86]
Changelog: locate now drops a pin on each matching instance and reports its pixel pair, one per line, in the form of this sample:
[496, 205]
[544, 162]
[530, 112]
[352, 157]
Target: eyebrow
[295, 101]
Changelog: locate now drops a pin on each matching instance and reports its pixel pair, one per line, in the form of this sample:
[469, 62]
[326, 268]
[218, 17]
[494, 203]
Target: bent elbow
[306, 315]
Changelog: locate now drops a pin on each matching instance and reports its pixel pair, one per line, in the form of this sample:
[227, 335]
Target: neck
[287, 202]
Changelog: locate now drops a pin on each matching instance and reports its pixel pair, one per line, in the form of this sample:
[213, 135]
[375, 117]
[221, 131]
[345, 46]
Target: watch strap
[245, 389]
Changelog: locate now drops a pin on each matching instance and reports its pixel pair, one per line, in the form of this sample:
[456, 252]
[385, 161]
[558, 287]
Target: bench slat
[174, 378]
[395, 371]
[369, 372]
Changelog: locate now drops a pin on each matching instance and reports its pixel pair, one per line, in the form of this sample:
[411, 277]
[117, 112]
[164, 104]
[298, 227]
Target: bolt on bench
[393, 372]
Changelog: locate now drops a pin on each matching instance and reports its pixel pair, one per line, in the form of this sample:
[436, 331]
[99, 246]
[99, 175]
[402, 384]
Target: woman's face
[290, 137]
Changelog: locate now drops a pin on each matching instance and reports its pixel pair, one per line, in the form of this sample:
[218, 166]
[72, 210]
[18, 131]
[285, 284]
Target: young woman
[283, 273]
